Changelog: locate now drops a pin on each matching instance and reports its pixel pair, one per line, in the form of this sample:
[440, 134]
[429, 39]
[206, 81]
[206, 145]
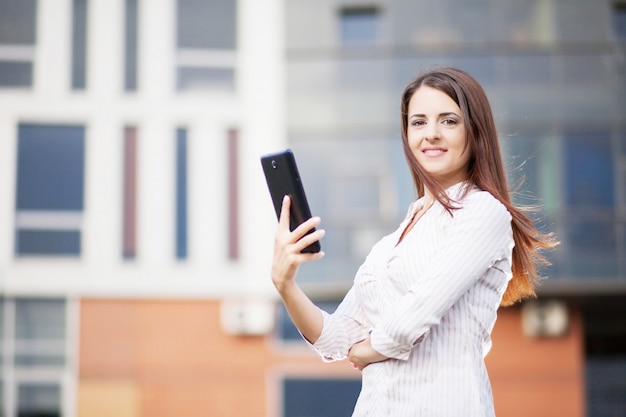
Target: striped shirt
[430, 303]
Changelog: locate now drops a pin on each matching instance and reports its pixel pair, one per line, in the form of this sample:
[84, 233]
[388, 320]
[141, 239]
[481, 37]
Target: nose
[431, 132]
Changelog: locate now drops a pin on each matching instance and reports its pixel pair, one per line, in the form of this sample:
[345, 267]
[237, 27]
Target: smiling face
[437, 136]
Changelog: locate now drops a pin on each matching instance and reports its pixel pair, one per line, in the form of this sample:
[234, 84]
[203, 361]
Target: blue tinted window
[359, 25]
[18, 33]
[181, 193]
[130, 51]
[47, 242]
[50, 190]
[50, 167]
[16, 74]
[205, 78]
[319, 397]
[206, 40]
[79, 44]
[589, 171]
[619, 21]
[17, 22]
[206, 24]
[40, 319]
[37, 399]
[606, 385]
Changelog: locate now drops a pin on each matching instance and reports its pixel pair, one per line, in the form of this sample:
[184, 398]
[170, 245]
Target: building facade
[134, 262]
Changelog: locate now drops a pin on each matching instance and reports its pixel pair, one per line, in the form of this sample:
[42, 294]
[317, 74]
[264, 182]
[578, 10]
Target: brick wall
[143, 358]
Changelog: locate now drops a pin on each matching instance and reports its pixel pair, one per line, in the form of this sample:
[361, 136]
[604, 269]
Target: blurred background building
[137, 229]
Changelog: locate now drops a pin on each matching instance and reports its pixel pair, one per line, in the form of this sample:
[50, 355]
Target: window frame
[64, 221]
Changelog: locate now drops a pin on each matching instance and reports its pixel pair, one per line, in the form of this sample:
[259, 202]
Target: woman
[418, 318]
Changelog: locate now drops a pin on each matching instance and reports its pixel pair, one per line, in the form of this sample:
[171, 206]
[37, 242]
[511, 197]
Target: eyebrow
[450, 113]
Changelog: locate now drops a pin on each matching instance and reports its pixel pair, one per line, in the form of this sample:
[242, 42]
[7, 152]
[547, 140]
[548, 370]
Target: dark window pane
[26, 360]
[18, 22]
[606, 386]
[50, 173]
[205, 78]
[619, 20]
[359, 25]
[40, 319]
[79, 44]
[130, 67]
[592, 248]
[233, 194]
[181, 193]
[2, 335]
[319, 397]
[39, 400]
[589, 171]
[43, 242]
[129, 209]
[206, 24]
[16, 74]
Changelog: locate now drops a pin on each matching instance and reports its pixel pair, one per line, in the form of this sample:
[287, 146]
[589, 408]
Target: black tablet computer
[283, 178]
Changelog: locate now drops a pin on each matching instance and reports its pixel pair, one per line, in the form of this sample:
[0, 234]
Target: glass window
[321, 397]
[606, 386]
[360, 25]
[605, 353]
[129, 209]
[50, 188]
[206, 44]
[39, 333]
[15, 74]
[39, 319]
[46, 242]
[590, 195]
[181, 193]
[17, 22]
[39, 400]
[192, 79]
[79, 44]
[233, 194]
[35, 351]
[50, 167]
[130, 46]
[619, 20]
[17, 42]
[206, 24]
[589, 170]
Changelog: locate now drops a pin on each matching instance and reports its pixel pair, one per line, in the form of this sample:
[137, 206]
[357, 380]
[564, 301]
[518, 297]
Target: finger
[304, 228]
[283, 219]
[309, 239]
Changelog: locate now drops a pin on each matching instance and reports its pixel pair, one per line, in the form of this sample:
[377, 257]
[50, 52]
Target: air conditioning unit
[248, 317]
[545, 318]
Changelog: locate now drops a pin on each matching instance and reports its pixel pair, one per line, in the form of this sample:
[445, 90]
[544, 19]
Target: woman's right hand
[288, 246]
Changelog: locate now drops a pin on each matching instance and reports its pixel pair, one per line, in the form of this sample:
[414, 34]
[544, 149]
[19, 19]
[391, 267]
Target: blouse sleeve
[479, 234]
[342, 329]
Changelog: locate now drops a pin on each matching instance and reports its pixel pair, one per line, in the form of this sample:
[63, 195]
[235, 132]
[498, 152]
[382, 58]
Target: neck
[428, 197]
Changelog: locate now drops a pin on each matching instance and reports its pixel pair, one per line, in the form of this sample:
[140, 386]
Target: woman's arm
[363, 354]
[479, 235]
[287, 259]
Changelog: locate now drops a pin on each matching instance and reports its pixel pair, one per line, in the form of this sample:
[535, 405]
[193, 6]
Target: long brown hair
[485, 170]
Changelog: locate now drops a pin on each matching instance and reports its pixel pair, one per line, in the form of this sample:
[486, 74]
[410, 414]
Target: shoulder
[482, 205]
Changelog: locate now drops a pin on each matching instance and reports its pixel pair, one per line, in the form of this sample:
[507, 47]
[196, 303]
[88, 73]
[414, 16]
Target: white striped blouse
[430, 302]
